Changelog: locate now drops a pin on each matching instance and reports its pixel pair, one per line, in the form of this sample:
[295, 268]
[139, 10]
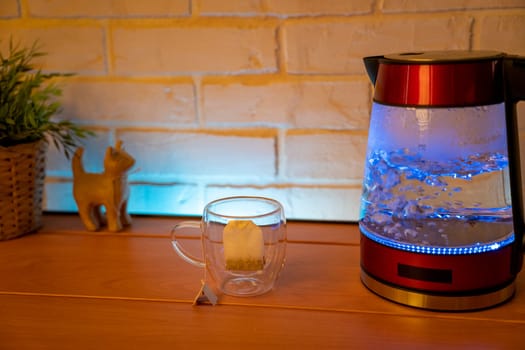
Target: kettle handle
[514, 91]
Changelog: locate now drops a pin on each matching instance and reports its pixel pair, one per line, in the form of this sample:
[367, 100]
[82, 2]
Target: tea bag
[243, 246]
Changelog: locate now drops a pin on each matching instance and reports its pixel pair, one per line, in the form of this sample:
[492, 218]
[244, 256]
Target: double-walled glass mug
[244, 244]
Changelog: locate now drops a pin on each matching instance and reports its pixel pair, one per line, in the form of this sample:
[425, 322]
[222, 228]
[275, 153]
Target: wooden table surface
[66, 288]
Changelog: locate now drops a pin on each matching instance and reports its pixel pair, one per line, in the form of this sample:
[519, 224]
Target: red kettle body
[441, 217]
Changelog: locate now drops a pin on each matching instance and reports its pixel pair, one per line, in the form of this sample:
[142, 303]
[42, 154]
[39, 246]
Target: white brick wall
[401, 6]
[301, 103]
[287, 8]
[71, 48]
[327, 47]
[9, 9]
[193, 48]
[505, 32]
[336, 156]
[228, 154]
[131, 102]
[217, 98]
[104, 8]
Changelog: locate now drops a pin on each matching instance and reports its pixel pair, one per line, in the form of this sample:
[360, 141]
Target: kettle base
[438, 302]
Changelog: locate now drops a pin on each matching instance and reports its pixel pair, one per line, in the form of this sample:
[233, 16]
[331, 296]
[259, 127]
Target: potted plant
[28, 101]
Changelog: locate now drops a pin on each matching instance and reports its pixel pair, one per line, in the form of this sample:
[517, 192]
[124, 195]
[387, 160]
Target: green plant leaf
[28, 101]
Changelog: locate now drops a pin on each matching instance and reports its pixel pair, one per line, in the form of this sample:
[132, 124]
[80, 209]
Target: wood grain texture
[30, 322]
[68, 288]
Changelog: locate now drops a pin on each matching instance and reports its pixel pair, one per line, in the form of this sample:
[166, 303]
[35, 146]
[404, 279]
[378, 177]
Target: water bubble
[411, 233]
[412, 199]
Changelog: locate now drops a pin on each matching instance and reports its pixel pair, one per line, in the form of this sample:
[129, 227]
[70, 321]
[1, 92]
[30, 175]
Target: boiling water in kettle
[434, 192]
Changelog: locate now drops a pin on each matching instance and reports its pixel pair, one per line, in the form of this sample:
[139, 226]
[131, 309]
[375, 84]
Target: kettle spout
[372, 66]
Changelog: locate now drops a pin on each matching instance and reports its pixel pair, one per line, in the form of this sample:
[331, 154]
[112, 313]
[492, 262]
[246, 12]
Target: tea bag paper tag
[205, 295]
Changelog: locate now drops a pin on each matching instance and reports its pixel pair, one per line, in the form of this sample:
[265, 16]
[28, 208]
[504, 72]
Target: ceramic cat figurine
[108, 189]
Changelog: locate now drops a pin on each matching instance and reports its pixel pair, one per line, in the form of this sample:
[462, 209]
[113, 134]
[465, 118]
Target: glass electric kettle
[441, 215]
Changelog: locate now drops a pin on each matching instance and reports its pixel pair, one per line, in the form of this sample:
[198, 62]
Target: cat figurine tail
[108, 189]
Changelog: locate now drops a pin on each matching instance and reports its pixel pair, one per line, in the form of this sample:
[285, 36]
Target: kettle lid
[440, 78]
[451, 56]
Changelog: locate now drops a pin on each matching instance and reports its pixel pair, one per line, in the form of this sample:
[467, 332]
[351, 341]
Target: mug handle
[179, 249]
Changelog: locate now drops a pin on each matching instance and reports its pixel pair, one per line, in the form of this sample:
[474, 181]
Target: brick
[144, 199]
[104, 8]
[194, 49]
[391, 6]
[69, 48]
[325, 203]
[58, 196]
[504, 33]
[129, 103]
[279, 193]
[165, 199]
[9, 9]
[323, 104]
[318, 47]
[162, 155]
[95, 147]
[247, 104]
[335, 105]
[301, 202]
[327, 155]
[286, 7]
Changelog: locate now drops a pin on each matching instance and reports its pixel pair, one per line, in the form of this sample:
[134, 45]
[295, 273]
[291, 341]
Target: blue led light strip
[463, 250]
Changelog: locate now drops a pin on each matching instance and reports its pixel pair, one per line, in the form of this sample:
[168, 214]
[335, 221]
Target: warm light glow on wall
[222, 98]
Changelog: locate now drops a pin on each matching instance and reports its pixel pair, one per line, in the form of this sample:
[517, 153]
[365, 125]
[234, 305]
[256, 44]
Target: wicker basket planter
[22, 175]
